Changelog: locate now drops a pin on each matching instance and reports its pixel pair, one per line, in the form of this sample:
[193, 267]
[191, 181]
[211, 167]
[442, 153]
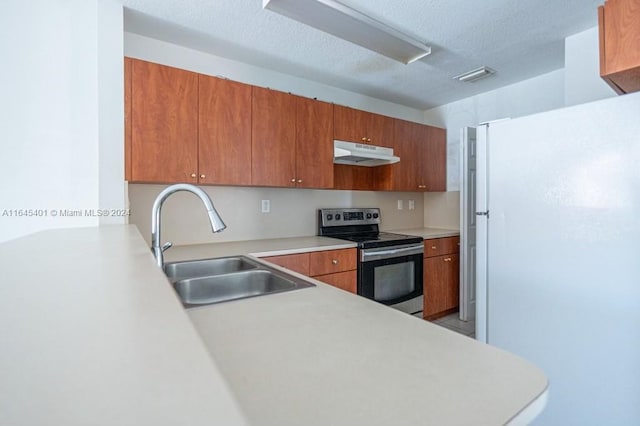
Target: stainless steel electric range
[389, 265]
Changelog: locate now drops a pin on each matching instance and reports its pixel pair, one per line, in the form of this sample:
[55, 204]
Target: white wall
[49, 114]
[582, 69]
[537, 94]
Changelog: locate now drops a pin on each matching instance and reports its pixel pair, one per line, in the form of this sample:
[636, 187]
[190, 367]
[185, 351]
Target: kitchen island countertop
[94, 334]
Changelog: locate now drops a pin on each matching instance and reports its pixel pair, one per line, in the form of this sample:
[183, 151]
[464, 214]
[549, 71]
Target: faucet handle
[166, 246]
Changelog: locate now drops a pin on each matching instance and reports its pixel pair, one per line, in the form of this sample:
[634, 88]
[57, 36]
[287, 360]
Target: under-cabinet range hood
[356, 154]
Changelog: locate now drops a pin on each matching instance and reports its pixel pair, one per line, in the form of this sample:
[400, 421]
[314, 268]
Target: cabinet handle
[293, 180]
[364, 139]
[299, 180]
[368, 139]
[447, 259]
[434, 248]
[193, 175]
[334, 261]
[202, 176]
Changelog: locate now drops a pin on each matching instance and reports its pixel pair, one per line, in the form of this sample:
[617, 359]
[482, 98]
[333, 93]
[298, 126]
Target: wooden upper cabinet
[273, 138]
[353, 125]
[224, 132]
[350, 124]
[127, 119]
[314, 143]
[423, 157]
[410, 141]
[434, 170]
[164, 123]
[619, 24]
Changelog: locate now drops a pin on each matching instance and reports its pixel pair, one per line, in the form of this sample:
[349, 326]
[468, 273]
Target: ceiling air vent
[475, 75]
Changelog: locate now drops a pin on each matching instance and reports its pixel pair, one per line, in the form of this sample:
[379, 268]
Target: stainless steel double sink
[208, 281]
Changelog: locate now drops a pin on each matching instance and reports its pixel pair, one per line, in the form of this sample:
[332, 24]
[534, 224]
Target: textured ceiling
[518, 38]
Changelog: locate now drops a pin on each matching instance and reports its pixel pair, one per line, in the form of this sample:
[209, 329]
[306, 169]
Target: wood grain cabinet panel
[224, 131]
[127, 119]
[164, 123]
[347, 280]
[296, 262]
[332, 261]
[423, 158]
[619, 28]
[440, 246]
[273, 138]
[441, 277]
[314, 143]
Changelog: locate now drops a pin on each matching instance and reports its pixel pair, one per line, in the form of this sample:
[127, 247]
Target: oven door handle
[367, 256]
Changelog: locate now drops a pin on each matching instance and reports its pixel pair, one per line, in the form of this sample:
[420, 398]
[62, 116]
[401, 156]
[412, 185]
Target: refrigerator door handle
[485, 213]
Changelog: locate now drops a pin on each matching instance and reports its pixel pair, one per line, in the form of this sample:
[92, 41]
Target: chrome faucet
[217, 224]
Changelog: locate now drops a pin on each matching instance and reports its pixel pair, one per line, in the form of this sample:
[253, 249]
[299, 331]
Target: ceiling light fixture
[341, 21]
[475, 75]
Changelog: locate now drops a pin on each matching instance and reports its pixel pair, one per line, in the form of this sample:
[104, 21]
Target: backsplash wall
[293, 211]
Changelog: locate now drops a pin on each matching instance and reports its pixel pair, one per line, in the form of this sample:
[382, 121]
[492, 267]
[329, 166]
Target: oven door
[391, 275]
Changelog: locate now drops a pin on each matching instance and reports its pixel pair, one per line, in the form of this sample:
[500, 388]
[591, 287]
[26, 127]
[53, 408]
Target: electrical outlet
[400, 206]
[266, 206]
[412, 204]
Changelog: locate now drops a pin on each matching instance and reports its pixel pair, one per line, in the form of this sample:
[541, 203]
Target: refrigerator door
[563, 274]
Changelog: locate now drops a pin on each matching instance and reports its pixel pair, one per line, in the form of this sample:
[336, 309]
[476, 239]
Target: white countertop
[93, 334]
[428, 233]
[322, 356]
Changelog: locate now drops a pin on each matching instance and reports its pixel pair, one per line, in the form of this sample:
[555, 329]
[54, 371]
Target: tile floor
[453, 323]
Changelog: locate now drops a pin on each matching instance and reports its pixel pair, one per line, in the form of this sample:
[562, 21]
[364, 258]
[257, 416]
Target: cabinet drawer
[295, 262]
[440, 246]
[331, 261]
[344, 280]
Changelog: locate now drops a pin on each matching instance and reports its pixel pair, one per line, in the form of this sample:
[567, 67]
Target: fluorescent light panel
[475, 75]
[348, 24]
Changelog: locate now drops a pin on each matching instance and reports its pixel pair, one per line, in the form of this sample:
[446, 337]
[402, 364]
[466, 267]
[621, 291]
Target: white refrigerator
[558, 252]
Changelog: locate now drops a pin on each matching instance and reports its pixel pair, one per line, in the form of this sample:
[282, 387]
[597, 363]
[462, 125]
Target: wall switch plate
[412, 204]
[400, 206]
[266, 206]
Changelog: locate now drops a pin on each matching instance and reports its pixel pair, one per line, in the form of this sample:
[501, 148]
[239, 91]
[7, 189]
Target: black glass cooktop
[381, 239]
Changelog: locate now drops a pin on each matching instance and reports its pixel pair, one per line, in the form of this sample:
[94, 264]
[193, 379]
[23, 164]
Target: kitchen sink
[177, 271]
[204, 282]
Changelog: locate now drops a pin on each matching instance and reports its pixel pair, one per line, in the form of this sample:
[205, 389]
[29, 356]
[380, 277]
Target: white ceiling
[518, 38]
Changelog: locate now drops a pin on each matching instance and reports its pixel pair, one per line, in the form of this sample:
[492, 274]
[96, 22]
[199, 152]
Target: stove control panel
[346, 217]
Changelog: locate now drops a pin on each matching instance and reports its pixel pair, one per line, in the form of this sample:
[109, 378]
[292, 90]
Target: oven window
[394, 281]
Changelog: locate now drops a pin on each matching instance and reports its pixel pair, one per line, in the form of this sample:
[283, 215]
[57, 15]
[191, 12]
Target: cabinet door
[441, 285]
[295, 262]
[350, 124]
[273, 143]
[314, 144]
[347, 281]
[409, 146]
[434, 165]
[619, 41]
[164, 132]
[224, 126]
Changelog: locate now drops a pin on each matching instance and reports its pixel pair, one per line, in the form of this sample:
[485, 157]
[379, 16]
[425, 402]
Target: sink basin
[177, 271]
[237, 285]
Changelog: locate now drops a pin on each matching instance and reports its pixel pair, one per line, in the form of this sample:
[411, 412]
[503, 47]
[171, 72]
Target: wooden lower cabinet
[343, 280]
[441, 277]
[334, 267]
[296, 262]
